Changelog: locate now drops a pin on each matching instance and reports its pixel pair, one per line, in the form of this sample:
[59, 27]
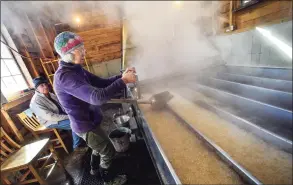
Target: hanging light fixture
[77, 19]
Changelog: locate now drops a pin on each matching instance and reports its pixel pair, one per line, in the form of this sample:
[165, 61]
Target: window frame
[18, 62]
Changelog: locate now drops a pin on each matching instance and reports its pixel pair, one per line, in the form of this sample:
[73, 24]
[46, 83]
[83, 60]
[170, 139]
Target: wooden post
[231, 15]
[121, 23]
[30, 60]
[124, 43]
[37, 175]
[31, 26]
[43, 30]
[87, 64]
[12, 125]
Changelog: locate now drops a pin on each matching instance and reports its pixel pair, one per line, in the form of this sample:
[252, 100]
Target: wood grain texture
[264, 13]
[25, 155]
[102, 44]
[101, 35]
[18, 101]
[273, 7]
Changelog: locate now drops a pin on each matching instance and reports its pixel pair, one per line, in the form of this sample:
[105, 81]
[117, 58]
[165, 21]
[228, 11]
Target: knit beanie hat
[39, 80]
[66, 42]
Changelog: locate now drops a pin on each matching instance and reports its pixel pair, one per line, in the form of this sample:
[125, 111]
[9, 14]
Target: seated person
[48, 110]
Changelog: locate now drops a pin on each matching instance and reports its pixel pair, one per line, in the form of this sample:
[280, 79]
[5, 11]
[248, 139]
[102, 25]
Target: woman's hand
[128, 77]
[130, 69]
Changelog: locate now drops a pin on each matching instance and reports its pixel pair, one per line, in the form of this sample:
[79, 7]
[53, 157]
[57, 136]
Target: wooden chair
[28, 160]
[29, 120]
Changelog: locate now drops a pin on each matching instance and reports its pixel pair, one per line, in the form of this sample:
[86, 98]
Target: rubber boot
[110, 178]
[95, 161]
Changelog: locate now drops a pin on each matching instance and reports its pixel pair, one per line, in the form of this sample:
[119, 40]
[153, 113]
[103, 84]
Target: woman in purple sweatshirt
[81, 93]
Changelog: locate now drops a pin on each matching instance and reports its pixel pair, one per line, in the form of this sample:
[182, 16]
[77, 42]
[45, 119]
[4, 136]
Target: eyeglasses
[82, 49]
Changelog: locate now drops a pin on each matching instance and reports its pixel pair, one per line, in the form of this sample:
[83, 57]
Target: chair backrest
[29, 120]
[8, 145]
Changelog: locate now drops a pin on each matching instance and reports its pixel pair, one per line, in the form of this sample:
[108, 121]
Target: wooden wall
[263, 13]
[33, 41]
[101, 34]
[102, 44]
[93, 19]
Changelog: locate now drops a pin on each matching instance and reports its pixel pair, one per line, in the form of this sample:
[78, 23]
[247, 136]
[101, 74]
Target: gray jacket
[46, 111]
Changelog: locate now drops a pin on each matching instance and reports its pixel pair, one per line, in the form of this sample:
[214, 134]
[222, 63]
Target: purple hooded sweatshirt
[81, 93]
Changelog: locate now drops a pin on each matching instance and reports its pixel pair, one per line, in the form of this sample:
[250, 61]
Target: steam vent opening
[146, 92]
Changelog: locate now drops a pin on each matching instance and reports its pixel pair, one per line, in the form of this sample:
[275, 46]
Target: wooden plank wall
[263, 13]
[93, 19]
[102, 38]
[102, 44]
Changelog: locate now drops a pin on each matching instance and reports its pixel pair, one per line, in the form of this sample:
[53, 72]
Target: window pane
[5, 53]
[2, 38]
[3, 86]
[13, 68]
[4, 69]
[4, 89]
[8, 91]
[20, 81]
[9, 81]
[11, 85]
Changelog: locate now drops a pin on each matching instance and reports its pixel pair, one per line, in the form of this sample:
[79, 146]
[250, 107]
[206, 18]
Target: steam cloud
[169, 37]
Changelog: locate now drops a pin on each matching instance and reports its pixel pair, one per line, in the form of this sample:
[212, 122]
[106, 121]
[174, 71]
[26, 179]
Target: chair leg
[61, 164]
[35, 135]
[5, 179]
[60, 140]
[37, 175]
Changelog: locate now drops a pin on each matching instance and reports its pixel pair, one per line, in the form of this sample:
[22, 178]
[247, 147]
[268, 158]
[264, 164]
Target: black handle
[114, 117]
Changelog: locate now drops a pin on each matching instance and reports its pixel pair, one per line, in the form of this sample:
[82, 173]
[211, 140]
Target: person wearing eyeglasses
[82, 93]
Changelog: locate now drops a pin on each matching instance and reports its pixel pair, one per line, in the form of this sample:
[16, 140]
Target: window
[12, 80]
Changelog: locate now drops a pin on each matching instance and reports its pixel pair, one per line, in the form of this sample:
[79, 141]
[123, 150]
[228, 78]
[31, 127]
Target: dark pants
[103, 152]
[100, 144]
[65, 125]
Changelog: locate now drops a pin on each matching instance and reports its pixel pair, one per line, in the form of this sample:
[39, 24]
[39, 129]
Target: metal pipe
[137, 85]
[129, 101]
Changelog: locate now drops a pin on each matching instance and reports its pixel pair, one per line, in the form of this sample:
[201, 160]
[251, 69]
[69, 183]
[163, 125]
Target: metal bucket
[120, 138]
[122, 120]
